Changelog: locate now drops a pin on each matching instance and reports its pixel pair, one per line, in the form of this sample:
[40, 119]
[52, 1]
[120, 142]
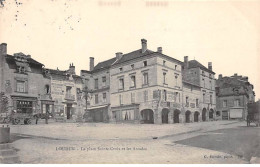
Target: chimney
[91, 63]
[210, 66]
[144, 45]
[119, 55]
[186, 62]
[3, 49]
[220, 76]
[159, 49]
[235, 75]
[72, 69]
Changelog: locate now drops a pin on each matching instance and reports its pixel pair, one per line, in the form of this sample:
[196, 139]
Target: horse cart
[253, 113]
[18, 117]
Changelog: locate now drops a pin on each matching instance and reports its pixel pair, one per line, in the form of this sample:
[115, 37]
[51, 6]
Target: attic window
[120, 69]
[145, 63]
[176, 67]
[164, 62]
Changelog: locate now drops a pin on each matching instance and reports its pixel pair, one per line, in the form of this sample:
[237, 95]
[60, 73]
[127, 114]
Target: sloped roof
[195, 64]
[104, 64]
[138, 53]
[30, 60]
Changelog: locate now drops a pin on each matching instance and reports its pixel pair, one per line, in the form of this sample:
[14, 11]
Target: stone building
[23, 82]
[233, 94]
[66, 91]
[197, 74]
[145, 87]
[191, 102]
[97, 80]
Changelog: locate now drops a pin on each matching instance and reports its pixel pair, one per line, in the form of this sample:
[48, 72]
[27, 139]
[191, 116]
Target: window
[237, 103]
[132, 97]
[187, 101]
[96, 83]
[210, 99]
[132, 66]
[210, 76]
[203, 73]
[47, 89]
[121, 84]
[164, 62]
[225, 103]
[176, 67]
[145, 95]
[197, 103]
[203, 82]
[145, 78]
[20, 86]
[165, 95]
[210, 85]
[175, 97]
[120, 69]
[96, 99]
[132, 81]
[176, 80]
[120, 99]
[78, 90]
[128, 115]
[104, 79]
[145, 63]
[68, 89]
[204, 97]
[164, 78]
[21, 69]
[104, 97]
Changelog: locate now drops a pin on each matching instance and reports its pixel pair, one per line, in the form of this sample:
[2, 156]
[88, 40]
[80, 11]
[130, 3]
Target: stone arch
[165, 115]
[211, 114]
[204, 114]
[176, 116]
[196, 116]
[187, 116]
[147, 116]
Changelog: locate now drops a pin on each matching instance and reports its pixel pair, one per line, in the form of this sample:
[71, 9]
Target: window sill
[145, 85]
[132, 87]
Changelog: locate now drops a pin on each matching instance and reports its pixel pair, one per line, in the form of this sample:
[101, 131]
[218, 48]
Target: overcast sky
[59, 32]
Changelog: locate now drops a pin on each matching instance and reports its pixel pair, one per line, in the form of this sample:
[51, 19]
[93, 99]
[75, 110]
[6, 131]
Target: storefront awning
[97, 107]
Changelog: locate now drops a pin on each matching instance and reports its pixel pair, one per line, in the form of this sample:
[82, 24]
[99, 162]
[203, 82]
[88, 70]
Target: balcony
[70, 97]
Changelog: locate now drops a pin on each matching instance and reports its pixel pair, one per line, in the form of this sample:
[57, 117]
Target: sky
[59, 32]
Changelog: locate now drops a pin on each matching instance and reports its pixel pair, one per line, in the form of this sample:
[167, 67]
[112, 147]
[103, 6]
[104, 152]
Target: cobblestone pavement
[116, 143]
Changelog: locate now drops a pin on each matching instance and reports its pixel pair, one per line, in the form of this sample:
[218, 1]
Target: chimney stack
[220, 76]
[159, 49]
[119, 55]
[186, 62]
[72, 69]
[3, 49]
[91, 63]
[210, 66]
[144, 45]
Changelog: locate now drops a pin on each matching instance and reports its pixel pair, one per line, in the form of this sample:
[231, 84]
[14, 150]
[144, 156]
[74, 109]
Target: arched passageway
[187, 116]
[165, 113]
[176, 114]
[147, 116]
[196, 116]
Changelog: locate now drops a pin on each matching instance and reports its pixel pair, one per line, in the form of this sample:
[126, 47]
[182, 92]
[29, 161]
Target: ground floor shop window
[24, 106]
[128, 115]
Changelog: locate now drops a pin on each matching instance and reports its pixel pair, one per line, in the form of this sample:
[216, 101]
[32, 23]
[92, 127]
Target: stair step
[7, 152]
[5, 146]
[12, 159]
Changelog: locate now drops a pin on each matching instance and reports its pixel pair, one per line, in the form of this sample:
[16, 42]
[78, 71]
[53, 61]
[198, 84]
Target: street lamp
[87, 95]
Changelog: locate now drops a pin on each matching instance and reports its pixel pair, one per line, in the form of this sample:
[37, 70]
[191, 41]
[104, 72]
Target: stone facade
[233, 94]
[23, 82]
[146, 87]
[197, 74]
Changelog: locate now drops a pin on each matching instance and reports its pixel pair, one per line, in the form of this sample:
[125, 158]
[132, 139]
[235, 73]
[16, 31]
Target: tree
[3, 103]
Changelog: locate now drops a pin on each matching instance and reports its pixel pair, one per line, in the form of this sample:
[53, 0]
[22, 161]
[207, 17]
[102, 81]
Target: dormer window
[21, 69]
[120, 69]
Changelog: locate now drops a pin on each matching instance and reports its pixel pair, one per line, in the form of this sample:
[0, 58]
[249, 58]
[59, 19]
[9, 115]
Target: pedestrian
[37, 117]
[46, 117]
